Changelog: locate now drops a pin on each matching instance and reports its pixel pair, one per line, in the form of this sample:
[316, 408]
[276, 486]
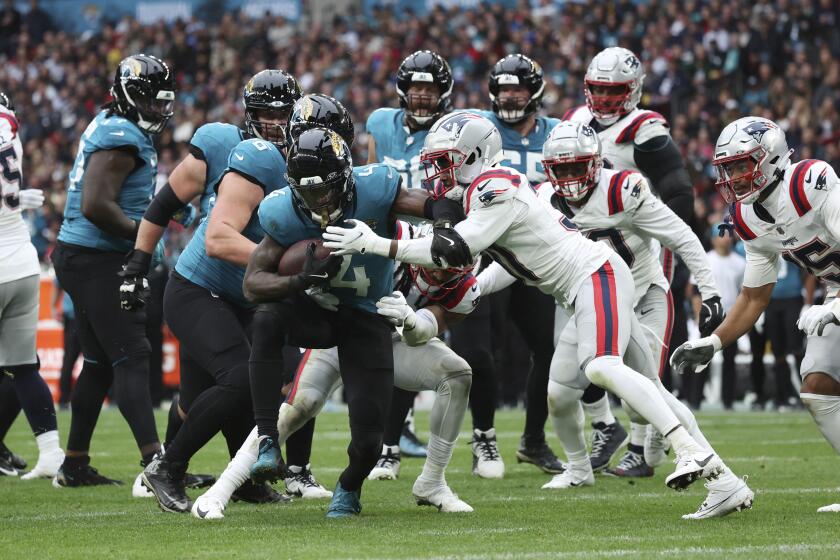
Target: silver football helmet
[613, 84]
[458, 148]
[750, 154]
[572, 159]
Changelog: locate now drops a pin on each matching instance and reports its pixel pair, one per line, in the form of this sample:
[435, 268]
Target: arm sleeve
[657, 220]
[494, 278]
[762, 268]
[660, 160]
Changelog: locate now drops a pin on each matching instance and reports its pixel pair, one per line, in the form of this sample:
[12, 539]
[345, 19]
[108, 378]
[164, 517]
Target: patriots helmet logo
[457, 121]
[757, 129]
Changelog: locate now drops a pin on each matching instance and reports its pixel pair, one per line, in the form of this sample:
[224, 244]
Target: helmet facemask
[153, 112]
[422, 101]
[435, 284]
[268, 123]
[740, 176]
[323, 198]
[608, 101]
[573, 177]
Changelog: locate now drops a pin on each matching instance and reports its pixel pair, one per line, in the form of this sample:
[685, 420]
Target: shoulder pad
[810, 182]
[578, 114]
[624, 190]
[258, 160]
[643, 119]
[463, 299]
[8, 125]
[379, 119]
[377, 181]
[740, 223]
[491, 187]
[273, 213]
[115, 132]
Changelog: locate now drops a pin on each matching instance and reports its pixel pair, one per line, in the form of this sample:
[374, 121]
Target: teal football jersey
[363, 279]
[523, 153]
[109, 133]
[212, 144]
[261, 163]
[397, 146]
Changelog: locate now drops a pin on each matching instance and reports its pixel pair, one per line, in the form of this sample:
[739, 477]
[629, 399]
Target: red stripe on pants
[291, 398]
[600, 326]
[613, 344]
[666, 340]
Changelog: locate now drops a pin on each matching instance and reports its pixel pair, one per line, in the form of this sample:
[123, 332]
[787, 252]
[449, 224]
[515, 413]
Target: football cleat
[833, 508]
[75, 476]
[300, 482]
[196, 481]
[487, 461]
[570, 478]
[439, 495]
[269, 465]
[208, 507]
[657, 447]
[139, 490]
[7, 468]
[8, 457]
[632, 465]
[607, 439]
[693, 466]
[721, 502]
[166, 481]
[539, 454]
[258, 494]
[344, 503]
[388, 465]
[410, 444]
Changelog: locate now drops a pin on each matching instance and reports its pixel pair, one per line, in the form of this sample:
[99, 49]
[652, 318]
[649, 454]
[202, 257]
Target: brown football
[292, 260]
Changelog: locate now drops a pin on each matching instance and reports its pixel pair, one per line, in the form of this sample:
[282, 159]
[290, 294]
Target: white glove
[325, 300]
[695, 355]
[31, 199]
[814, 320]
[397, 310]
[356, 239]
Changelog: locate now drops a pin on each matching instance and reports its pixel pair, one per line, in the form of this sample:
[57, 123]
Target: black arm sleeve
[163, 206]
[660, 160]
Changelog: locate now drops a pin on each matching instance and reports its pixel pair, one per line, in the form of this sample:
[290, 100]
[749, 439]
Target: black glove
[444, 209]
[711, 315]
[448, 246]
[317, 272]
[134, 290]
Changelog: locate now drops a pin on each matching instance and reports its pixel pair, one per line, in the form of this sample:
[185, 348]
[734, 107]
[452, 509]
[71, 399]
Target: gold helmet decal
[130, 68]
[336, 142]
[249, 87]
[306, 108]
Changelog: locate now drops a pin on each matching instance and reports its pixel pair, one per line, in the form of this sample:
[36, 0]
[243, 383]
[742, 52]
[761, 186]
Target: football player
[618, 207]
[20, 282]
[438, 299]
[516, 86]
[634, 139]
[110, 186]
[781, 209]
[395, 137]
[326, 189]
[537, 244]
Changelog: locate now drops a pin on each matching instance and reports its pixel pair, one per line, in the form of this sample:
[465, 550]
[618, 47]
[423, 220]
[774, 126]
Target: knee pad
[562, 397]
[599, 370]
[451, 370]
[456, 385]
[306, 401]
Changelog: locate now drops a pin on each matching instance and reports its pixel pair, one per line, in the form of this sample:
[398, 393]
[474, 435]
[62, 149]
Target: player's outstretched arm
[235, 204]
[106, 172]
[418, 327]
[185, 183]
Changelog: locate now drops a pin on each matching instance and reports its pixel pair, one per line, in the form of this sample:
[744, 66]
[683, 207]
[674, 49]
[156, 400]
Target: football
[292, 260]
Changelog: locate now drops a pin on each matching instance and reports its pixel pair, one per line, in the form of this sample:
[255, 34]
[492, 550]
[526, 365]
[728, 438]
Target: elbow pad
[163, 206]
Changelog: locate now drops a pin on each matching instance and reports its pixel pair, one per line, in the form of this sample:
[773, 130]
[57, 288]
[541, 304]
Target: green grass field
[790, 466]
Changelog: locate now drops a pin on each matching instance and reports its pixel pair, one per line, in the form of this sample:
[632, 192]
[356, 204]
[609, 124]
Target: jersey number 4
[360, 281]
[11, 176]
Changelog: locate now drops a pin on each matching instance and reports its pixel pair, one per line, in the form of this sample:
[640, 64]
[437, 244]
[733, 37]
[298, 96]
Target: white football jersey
[624, 213]
[18, 258]
[806, 210]
[617, 140]
[460, 299]
[533, 241]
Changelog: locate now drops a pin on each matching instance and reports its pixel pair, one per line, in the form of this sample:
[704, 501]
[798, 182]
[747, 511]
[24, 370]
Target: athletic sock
[599, 411]
[237, 471]
[637, 434]
[438, 455]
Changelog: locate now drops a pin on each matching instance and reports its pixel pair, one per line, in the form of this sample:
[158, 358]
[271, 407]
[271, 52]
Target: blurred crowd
[707, 62]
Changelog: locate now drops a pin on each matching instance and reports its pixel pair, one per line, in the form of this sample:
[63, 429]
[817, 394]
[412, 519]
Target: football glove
[711, 315]
[318, 272]
[31, 198]
[325, 300]
[358, 238]
[134, 290]
[817, 317]
[695, 355]
[397, 310]
[448, 247]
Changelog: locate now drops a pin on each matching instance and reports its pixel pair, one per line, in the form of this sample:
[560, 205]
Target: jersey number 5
[360, 281]
[816, 259]
[11, 176]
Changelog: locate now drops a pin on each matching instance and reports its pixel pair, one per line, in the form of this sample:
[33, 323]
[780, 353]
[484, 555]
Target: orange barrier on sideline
[50, 344]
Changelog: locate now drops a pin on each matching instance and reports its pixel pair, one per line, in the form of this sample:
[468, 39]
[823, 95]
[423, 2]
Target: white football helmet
[750, 154]
[613, 84]
[572, 159]
[458, 148]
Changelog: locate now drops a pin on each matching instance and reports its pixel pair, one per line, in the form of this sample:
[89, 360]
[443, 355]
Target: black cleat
[77, 475]
[196, 481]
[538, 453]
[632, 465]
[166, 481]
[6, 455]
[259, 494]
[606, 441]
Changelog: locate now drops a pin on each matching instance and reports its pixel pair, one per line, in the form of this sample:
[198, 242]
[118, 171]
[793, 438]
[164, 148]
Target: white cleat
[657, 447]
[569, 479]
[487, 461]
[693, 466]
[139, 490]
[301, 483]
[440, 496]
[721, 502]
[388, 465]
[46, 467]
[208, 507]
[833, 508]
